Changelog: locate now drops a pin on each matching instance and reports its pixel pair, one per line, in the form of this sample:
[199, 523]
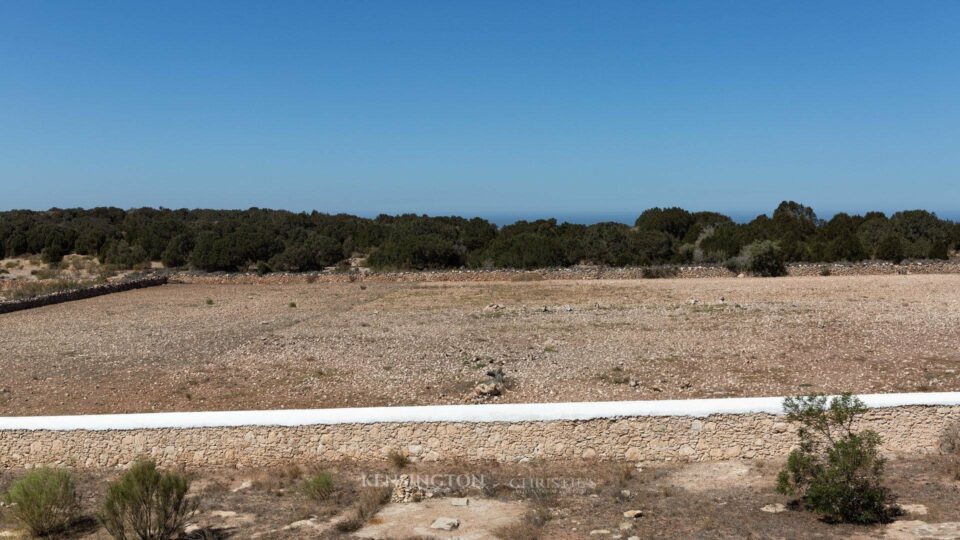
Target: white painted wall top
[519, 412]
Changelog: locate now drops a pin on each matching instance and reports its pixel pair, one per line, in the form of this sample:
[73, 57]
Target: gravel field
[211, 347]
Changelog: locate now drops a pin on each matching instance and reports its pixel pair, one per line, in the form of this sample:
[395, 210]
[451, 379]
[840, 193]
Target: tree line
[277, 240]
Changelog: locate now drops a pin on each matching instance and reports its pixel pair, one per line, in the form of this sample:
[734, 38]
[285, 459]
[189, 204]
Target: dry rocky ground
[210, 347]
[547, 501]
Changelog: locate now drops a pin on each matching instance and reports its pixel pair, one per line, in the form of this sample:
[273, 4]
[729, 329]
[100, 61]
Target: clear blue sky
[519, 108]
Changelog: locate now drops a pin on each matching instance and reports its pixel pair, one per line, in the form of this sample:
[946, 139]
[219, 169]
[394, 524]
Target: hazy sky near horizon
[479, 108]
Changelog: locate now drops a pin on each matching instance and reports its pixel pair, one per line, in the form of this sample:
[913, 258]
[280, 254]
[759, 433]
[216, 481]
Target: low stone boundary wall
[80, 294]
[643, 432]
[873, 268]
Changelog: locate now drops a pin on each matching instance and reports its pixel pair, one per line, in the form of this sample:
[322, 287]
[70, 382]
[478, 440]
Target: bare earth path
[167, 349]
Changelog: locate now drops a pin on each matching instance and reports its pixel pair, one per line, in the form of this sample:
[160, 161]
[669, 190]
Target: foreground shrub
[44, 500]
[950, 448]
[147, 504]
[836, 472]
[318, 487]
[397, 459]
[367, 506]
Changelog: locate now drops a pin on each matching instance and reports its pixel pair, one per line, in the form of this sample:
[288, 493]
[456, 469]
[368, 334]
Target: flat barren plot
[197, 347]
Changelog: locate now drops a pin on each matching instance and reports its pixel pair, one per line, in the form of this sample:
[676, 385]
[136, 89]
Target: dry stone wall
[905, 430]
[80, 294]
[873, 268]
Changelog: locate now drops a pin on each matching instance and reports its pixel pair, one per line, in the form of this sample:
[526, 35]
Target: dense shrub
[939, 251]
[309, 252]
[527, 250]
[764, 258]
[212, 252]
[836, 472]
[425, 252]
[891, 249]
[121, 254]
[44, 500]
[177, 252]
[147, 504]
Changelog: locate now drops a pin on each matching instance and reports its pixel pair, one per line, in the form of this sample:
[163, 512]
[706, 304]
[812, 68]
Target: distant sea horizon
[501, 219]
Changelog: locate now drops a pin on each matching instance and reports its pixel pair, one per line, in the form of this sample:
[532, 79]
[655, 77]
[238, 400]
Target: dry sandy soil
[197, 347]
[719, 500]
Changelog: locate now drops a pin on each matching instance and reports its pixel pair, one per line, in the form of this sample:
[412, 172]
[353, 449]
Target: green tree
[891, 248]
[177, 252]
[872, 232]
[673, 221]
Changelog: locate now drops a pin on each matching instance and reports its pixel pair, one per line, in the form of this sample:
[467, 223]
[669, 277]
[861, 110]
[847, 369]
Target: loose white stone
[445, 524]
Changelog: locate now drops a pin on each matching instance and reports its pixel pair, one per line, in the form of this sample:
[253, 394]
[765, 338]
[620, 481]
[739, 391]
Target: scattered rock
[633, 514]
[916, 530]
[223, 513]
[460, 502]
[246, 484]
[490, 389]
[445, 524]
[915, 509]
[302, 524]
[405, 491]
[775, 508]
[496, 374]
[626, 526]
[598, 532]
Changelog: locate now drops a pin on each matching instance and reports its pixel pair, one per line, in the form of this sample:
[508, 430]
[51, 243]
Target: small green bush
[318, 487]
[836, 472]
[147, 504]
[44, 500]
